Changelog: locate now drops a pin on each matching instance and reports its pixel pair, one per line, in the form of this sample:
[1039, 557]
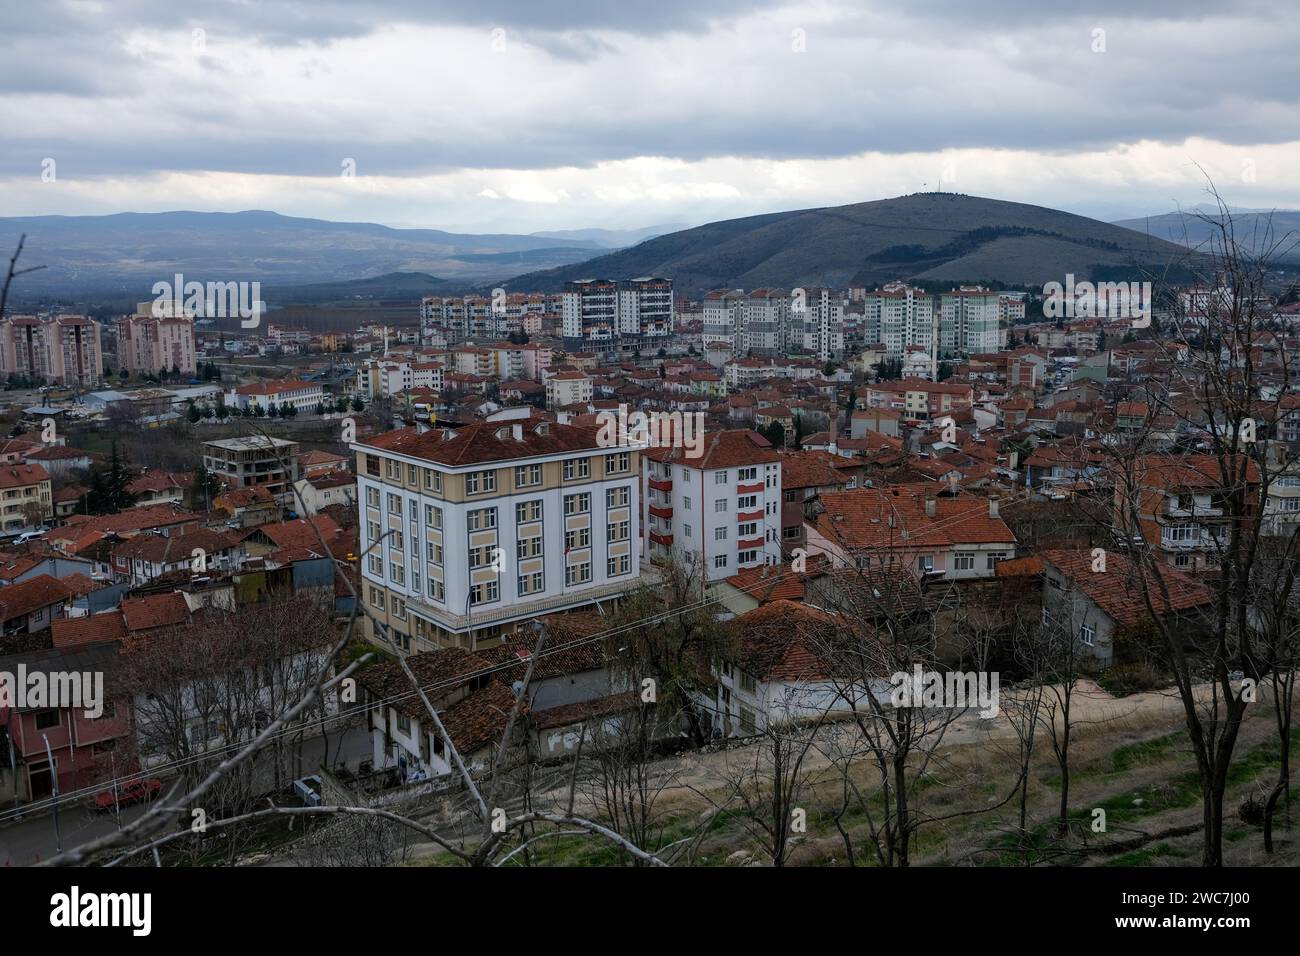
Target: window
[372, 497]
[577, 468]
[530, 583]
[527, 475]
[397, 573]
[720, 561]
[747, 530]
[791, 532]
[392, 469]
[577, 538]
[1087, 633]
[746, 502]
[433, 517]
[964, 561]
[437, 590]
[616, 497]
[411, 474]
[721, 505]
[399, 608]
[578, 573]
[403, 724]
[484, 593]
[526, 511]
[747, 557]
[481, 520]
[46, 719]
[686, 503]
[482, 557]
[375, 564]
[719, 534]
[395, 505]
[618, 564]
[373, 532]
[720, 477]
[432, 480]
[1182, 561]
[372, 466]
[577, 504]
[991, 560]
[789, 496]
[395, 540]
[434, 552]
[413, 509]
[617, 464]
[747, 683]
[618, 531]
[480, 482]
[747, 474]
[528, 547]
[377, 598]
[687, 532]
[925, 563]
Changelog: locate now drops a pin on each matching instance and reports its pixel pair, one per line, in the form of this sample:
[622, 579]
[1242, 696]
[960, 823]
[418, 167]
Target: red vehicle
[133, 791]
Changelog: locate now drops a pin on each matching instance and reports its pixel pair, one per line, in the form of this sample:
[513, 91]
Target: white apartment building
[590, 315]
[468, 533]
[722, 320]
[764, 318]
[601, 315]
[969, 321]
[898, 315]
[720, 512]
[645, 312]
[568, 388]
[818, 320]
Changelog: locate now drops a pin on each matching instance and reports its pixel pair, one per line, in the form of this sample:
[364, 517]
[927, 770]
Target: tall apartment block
[61, 349]
[147, 343]
[969, 320]
[470, 532]
[601, 315]
[720, 512]
[817, 323]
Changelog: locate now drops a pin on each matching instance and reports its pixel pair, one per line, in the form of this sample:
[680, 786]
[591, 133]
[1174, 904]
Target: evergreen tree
[110, 487]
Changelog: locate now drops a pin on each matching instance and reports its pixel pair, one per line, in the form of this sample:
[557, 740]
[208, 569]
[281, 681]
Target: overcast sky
[526, 115]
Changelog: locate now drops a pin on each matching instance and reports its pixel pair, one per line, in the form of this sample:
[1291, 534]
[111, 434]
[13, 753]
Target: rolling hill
[924, 237]
[126, 253]
[1257, 230]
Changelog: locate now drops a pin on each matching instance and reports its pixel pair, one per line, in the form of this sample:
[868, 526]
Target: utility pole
[54, 780]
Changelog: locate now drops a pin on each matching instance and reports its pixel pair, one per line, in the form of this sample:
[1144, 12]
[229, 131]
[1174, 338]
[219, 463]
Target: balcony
[753, 489]
[659, 511]
[664, 539]
[661, 484]
[749, 515]
[750, 543]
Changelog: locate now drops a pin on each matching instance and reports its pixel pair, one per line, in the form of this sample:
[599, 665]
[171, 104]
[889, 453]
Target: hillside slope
[941, 237]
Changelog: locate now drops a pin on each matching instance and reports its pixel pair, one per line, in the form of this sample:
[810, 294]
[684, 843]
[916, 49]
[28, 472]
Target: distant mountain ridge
[936, 237]
[1256, 229]
[126, 253]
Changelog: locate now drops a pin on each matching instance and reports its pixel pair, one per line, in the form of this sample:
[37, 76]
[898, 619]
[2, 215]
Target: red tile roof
[1119, 592]
[156, 610]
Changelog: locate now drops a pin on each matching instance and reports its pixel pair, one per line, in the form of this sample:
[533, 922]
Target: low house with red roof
[33, 605]
[296, 393]
[145, 557]
[953, 537]
[779, 670]
[1100, 605]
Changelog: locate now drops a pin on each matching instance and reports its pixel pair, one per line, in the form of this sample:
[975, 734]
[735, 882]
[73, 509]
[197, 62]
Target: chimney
[993, 506]
[929, 506]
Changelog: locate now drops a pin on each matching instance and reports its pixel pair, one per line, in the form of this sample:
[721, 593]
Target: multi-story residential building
[719, 512]
[951, 537]
[26, 497]
[969, 320]
[296, 393]
[1182, 509]
[148, 344]
[569, 387]
[764, 321]
[645, 312]
[898, 315]
[64, 349]
[469, 532]
[590, 316]
[256, 460]
[820, 323]
[919, 399]
[722, 320]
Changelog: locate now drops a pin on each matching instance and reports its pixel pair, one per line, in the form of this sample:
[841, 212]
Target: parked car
[141, 790]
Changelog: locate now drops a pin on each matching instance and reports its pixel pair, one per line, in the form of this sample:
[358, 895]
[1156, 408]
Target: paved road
[31, 839]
